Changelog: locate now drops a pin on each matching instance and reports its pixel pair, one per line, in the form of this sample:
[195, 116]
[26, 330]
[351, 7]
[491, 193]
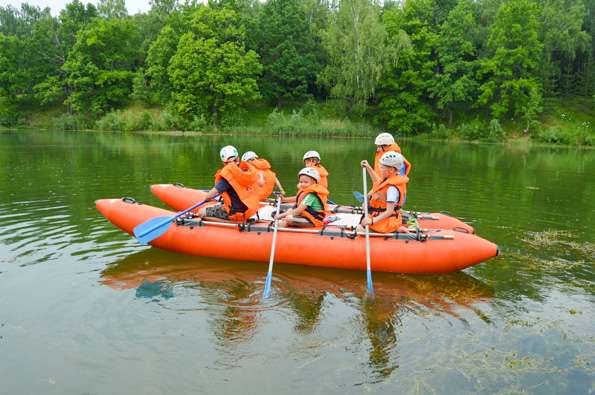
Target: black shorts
[217, 211]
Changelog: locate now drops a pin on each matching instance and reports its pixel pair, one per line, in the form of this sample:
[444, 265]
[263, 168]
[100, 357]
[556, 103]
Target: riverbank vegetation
[487, 69]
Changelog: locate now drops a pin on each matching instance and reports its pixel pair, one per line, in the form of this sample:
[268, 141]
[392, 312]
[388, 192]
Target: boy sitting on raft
[235, 182]
[385, 142]
[267, 179]
[312, 160]
[387, 195]
[310, 207]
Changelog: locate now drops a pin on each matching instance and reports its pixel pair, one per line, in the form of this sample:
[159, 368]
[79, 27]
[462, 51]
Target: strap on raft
[340, 232]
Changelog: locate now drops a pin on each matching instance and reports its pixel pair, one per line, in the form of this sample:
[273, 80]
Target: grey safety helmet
[392, 159]
[249, 155]
[310, 172]
[384, 139]
[228, 152]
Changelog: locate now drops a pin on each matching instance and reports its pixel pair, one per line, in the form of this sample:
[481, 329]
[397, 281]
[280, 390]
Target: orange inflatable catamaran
[435, 251]
[179, 198]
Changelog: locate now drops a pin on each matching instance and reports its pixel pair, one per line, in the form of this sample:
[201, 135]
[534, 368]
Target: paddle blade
[152, 229]
[267, 286]
[358, 196]
[370, 285]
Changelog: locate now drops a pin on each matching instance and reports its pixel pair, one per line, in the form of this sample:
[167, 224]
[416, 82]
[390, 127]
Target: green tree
[158, 58]
[287, 48]
[588, 72]
[564, 42]
[13, 79]
[318, 14]
[404, 103]
[73, 18]
[112, 9]
[29, 55]
[102, 64]
[211, 72]
[510, 76]
[160, 52]
[455, 85]
[151, 23]
[248, 16]
[359, 52]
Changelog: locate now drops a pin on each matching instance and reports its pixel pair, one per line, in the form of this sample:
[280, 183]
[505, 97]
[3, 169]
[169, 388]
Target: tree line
[401, 64]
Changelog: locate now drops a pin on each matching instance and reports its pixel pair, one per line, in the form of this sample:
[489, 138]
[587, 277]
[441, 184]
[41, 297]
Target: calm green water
[85, 310]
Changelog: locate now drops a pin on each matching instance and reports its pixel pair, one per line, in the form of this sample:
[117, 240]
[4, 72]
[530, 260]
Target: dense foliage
[405, 65]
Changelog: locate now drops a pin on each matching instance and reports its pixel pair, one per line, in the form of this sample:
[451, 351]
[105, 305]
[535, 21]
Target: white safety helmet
[311, 154]
[228, 152]
[310, 172]
[384, 139]
[392, 159]
[249, 155]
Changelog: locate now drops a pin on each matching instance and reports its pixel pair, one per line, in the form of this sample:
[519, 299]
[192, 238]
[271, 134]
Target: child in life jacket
[312, 160]
[235, 182]
[387, 195]
[267, 179]
[310, 207]
[385, 142]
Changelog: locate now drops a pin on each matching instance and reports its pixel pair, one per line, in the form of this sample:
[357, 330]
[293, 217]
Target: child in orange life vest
[387, 195]
[385, 142]
[267, 179]
[312, 159]
[235, 183]
[310, 207]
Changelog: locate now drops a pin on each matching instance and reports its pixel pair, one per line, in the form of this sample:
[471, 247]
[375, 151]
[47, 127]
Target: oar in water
[267, 282]
[155, 227]
[367, 232]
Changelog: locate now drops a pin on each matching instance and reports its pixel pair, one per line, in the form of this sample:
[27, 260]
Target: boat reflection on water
[231, 293]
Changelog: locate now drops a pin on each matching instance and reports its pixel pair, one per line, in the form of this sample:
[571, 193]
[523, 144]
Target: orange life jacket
[241, 178]
[377, 203]
[269, 177]
[316, 217]
[392, 147]
[323, 174]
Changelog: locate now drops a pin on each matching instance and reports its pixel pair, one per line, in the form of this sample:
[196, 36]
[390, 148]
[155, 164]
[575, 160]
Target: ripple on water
[36, 232]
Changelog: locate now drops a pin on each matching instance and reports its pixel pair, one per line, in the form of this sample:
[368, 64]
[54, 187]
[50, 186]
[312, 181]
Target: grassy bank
[569, 121]
[312, 119]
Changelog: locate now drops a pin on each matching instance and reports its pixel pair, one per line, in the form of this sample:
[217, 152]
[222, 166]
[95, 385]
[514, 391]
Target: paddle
[155, 227]
[367, 232]
[279, 186]
[267, 282]
[358, 196]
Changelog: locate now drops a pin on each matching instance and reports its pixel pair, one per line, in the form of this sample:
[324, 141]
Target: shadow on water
[231, 294]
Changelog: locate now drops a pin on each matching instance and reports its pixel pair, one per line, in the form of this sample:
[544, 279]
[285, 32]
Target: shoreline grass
[564, 122]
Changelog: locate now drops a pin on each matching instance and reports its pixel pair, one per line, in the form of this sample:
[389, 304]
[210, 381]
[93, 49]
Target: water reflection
[230, 294]
[534, 332]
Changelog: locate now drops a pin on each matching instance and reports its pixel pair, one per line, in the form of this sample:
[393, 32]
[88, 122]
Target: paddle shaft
[367, 233]
[171, 219]
[267, 283]
[279, 186]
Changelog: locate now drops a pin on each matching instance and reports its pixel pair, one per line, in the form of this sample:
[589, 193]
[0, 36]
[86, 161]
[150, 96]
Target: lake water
[84, 309]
